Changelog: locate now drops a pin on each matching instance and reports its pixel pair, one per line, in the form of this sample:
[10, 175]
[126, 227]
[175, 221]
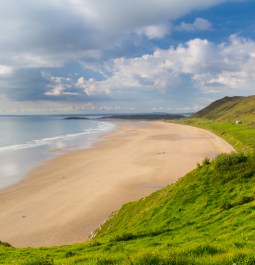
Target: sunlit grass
[207, 217]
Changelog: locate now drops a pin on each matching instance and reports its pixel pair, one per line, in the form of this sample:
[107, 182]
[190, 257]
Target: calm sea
[26, 141]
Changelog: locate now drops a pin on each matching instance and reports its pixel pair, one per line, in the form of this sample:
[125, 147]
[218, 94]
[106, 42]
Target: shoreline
[65, 199]
[18, 160]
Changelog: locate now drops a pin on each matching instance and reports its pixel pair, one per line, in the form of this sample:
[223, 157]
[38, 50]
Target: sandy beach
[65, 199]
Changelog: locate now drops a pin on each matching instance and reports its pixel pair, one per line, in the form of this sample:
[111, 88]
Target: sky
[128, 56]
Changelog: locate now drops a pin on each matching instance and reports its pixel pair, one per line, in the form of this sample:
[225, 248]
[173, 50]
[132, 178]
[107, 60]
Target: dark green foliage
[69, 254]
[225, 161]
[206, 161]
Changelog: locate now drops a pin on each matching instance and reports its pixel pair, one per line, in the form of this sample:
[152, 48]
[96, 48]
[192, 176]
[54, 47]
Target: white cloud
[197, 25]
[91, 87]
[211, 68]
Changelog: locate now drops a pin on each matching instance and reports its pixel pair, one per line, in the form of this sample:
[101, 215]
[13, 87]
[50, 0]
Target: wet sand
[63, 200]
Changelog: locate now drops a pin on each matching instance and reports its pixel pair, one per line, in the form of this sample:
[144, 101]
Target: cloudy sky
[108, 56]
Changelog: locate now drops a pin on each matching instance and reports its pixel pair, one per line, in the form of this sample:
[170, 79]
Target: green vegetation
[220, 117]
[230, 109]
[206, 217]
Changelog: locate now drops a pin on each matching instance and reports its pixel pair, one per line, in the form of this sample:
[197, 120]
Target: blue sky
[108, 56]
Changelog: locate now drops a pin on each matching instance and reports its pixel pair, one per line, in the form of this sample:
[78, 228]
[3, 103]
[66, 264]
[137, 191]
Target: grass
[230, 109]
[207, 217]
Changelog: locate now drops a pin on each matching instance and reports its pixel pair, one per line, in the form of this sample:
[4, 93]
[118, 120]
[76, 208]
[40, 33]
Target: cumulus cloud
[210, 67]
[46, 36]
[197, 64]
[197, 25]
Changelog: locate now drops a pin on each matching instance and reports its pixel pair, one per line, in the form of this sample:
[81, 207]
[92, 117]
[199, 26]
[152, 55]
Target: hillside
[230, 109]
[207, 217]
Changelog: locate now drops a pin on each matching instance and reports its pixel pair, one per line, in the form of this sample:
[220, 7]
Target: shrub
[69, 254]
[224, 161]
[206, 161]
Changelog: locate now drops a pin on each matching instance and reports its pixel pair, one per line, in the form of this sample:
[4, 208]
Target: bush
[206, 161]
[69, 254]
[224, 161]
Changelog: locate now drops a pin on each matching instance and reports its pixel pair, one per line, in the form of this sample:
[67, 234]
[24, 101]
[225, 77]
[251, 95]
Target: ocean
[27, 141]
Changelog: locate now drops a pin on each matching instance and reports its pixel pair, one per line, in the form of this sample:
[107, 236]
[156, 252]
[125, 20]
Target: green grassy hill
[230, 109]
[207, 217]
[220, 116]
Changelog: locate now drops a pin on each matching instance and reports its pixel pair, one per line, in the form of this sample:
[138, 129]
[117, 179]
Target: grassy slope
[230, 109]
[220, 116]
[207, 217]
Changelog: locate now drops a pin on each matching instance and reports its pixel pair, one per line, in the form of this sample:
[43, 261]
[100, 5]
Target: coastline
[20, 157]
[63, 200]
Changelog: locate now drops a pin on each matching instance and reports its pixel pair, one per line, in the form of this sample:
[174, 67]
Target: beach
[64, 199]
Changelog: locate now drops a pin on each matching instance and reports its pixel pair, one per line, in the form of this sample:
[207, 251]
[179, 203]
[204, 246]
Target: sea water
[27, 141]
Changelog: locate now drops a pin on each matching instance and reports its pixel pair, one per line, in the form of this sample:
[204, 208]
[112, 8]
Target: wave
[103, 127]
